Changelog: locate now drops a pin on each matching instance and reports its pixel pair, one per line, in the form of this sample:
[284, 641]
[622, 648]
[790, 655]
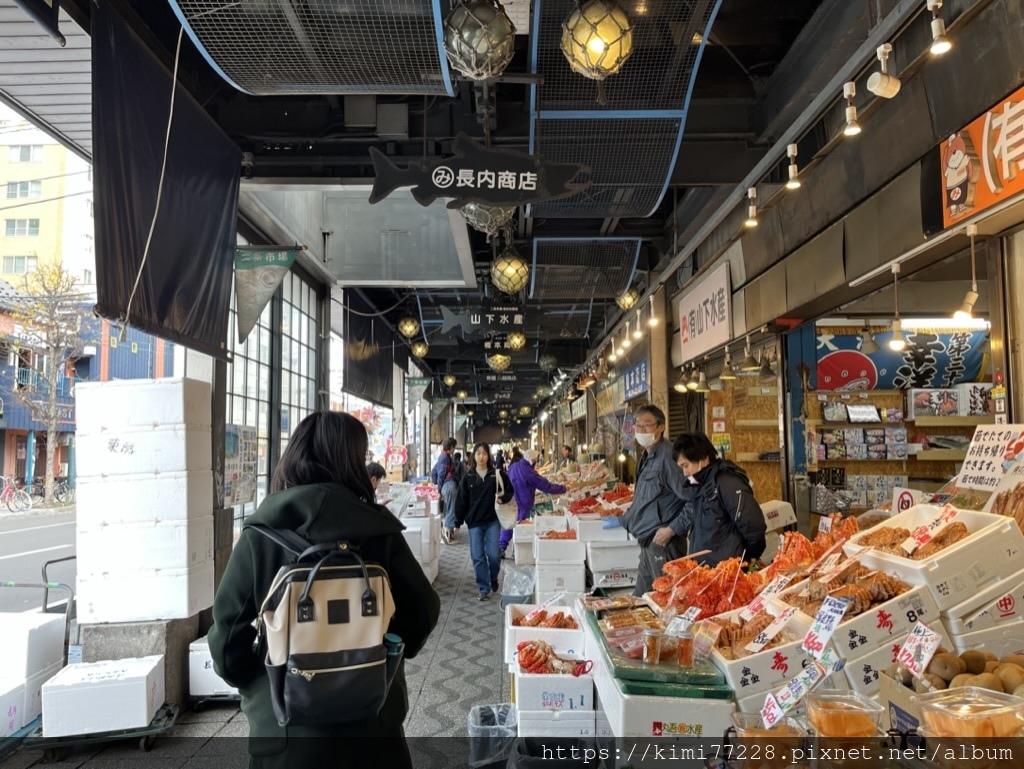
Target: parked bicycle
[17, 500]
[62, 491]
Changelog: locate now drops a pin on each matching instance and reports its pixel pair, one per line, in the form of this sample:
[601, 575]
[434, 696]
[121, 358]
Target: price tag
[826, 554]
[543, 607]
[825, 524]
[919, 648]
[756, 606]
[705, 638]
[832, 662]
[827, 574]
[925, 533]
[771, 712]
[828, 567]
[678, 625]
[765, 636]
[825, 624]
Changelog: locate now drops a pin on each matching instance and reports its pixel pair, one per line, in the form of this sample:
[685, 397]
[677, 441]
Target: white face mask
[645, 439]
[692, 479]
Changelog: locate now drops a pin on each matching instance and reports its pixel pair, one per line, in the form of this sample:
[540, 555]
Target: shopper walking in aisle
[726, 518]
[322, 492]
[474, 506]
[526, 482]
[443, 476]
[458, 469]
[499, 460]
[658, 517]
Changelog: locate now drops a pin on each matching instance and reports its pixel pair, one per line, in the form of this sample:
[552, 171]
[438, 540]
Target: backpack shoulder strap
[287, 539]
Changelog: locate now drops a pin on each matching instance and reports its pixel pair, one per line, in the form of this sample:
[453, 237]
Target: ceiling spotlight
[637, 333]
[680, 386]
[940, 43]
[597, 41]
[868, 345]
[751, 221]
[852, 127]
[516, 340]
[419, 349]
[966, 310]
[449, 380]
[794, 172]
[727, 372]
[749, 362]
[882, 83]
[408, 326]
[702, 383]
[694, 381]
[653, 320]
[627, 299]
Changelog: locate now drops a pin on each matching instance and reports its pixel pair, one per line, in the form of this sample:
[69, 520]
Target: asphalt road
[26, 543]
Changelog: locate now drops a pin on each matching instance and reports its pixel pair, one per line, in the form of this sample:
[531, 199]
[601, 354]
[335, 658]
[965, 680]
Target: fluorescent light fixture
[971, 324]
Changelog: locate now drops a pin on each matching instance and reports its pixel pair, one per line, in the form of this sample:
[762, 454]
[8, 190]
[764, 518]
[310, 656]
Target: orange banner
[983, 163]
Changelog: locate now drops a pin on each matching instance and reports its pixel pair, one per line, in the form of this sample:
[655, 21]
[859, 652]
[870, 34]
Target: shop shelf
[941, 455]
[929, 421]
[757, 423]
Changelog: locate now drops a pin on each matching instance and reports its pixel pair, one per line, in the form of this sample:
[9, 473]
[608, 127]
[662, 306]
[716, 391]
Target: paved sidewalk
[459, 667]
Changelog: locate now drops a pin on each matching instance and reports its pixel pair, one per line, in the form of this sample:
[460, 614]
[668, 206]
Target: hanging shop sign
[628, 439]
[930, 359]
[636, 380]
[564, 414]
[500, 378]
[499, 342]
[705, 314]
[503, 317]
[579, 408]
[259, 270]
[417, 388]
[995, 452]
[477, 174]
[981, 163]
[611, 395]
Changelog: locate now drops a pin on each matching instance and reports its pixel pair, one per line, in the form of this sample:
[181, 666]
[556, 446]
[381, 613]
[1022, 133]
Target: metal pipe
[46, 16]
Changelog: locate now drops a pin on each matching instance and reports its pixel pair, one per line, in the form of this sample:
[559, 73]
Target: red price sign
[813, 643]
[771, 711]
[925, 533]
[919, 648]
[825, 524]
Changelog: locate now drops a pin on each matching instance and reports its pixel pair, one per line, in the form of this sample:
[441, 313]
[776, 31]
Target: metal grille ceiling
[636, 134]
[273, 47]
[565, 268]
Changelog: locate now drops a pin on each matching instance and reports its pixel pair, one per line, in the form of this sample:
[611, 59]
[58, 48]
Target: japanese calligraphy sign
[926, 532]
[477, 174]
[771, 711]
[765, 636]
[981, 164]
[636, 380]
[919, 648]
[773, 588]
[994, 451]
[478, 319]
[705, 314]
[825, 624]
[578, 408]
[258, 273]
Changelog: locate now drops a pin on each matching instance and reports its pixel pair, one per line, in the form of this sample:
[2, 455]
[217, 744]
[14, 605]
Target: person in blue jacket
[526, 481]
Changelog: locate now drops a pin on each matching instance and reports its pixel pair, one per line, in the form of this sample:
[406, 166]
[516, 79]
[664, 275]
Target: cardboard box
[395, 474]
[547, 692]
[93, 697]
[12, 699]
[29, 644]
[203, 681]
[900, 710]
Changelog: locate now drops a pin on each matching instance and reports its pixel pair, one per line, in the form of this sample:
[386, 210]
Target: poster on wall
[240, 454]
[705, 314]
[930, 360]
[377, 421]
[995, 451]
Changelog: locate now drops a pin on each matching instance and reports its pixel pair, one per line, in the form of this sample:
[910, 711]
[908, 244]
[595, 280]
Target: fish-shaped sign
[478, 174]
[498, 318]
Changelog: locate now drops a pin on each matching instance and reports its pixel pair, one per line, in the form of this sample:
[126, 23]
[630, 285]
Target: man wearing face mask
[658, 516]
[726, 518]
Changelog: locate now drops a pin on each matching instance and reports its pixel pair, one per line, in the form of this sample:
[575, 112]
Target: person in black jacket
[474, 506]
[320, 490]
[725, 517]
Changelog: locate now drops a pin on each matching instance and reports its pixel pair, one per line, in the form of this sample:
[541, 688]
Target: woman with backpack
[474, 506]
[320, 491]
[725, 517]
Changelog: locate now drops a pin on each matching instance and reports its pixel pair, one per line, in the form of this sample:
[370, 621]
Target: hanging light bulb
[612, 356]
[694, 380]
[794, 172]
[868, 345]
[597, 40]
[462, 395]
[702, 383]
[449, 380]
[940, 43]
[966, 310]
[727, 372]
[751, 220]
[749, 363]
[626, 343]
[408, 326]
[896, 342]
[510, 273]
[653, 320]
[637, 333]
[852, 127]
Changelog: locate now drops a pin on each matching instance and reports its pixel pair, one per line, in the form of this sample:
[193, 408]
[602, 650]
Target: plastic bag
[519, 580]
[492, 733]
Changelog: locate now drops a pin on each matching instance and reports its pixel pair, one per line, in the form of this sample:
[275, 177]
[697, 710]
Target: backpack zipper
[309, 674]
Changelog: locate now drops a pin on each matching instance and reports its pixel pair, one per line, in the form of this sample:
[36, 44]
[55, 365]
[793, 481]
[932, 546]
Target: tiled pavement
[459, 667]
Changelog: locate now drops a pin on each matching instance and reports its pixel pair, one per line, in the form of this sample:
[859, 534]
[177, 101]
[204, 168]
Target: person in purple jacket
[525, 483]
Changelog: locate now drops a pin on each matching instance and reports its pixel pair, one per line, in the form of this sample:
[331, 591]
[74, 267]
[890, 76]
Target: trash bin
[564, 752]
[492, 732]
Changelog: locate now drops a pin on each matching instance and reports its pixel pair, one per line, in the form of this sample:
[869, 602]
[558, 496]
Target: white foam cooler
[1002, 602]
[558, 551]
[117, 451]
[589, 527]
[152, 496]
[203, 680]
[143, 596]
[12, 701]
[143, 545]
[553, 577]
[564, 641]
[556, 723]
[1003, 639]
[142, 403]
[613, 556]
[33, 707]
[29, 644]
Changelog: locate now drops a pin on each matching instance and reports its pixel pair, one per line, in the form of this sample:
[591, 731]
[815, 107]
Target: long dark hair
[326, 447]
[486, 447]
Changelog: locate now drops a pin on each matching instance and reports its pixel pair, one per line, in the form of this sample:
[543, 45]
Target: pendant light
[765, 375]
[637, 333]
[652, 321]
[680, 386]
[702, 380]
[693, 382]
[897, 343]
[727, 373]
[966, 310]
[749, 363]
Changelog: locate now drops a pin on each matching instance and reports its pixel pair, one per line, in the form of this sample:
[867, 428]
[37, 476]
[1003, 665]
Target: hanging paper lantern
[420, 349]
[516, 340]
[449, 380]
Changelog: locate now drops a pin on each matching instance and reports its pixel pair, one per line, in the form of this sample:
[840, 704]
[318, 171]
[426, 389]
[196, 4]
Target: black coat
[474, 504]
[320, 513]
[726, 518]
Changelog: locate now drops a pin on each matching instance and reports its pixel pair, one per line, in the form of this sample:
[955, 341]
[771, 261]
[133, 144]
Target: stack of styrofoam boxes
[956, 583]
[560, 568]
[423, 532]
[31, 653]
[145, 500]
[612, 555]
[522, 543]
[203, 681]
[96, 697]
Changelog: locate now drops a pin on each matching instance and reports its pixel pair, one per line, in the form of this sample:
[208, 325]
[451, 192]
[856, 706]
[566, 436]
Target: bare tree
[50, 316]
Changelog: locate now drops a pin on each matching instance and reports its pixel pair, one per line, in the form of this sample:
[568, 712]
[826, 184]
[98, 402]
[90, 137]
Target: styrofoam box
[523, 533]
[564, 642]
[34, 691]
[428, 529]
[769, 669]
[12, 698]
[559, 598]
[545, 523]
[1004, 602]
[616, 578]
[524, 553]
[631, 715]
[430, 570]
[554, 692]
[589, 527]
[606, 556]
[551, 577]
[558, 723]
[863, 672]
[144, 596]
[203, 680]
[956, 575]
[142, 403]
[883, 622]
[412, 538]
[92, 697]
[164, 449]
[1001, 640]
[567, 551]
[144, 545]
[30, 643]
[152, 496]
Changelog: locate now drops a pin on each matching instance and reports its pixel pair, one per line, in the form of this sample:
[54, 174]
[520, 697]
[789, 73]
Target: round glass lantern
[510, 273]
[479, 38]
[487, 219]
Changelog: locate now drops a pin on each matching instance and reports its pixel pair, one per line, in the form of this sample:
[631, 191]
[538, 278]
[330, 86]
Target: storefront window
[298, 354]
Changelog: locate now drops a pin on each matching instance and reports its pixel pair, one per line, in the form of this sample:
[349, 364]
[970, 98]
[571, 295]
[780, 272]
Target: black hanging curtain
[371, 352]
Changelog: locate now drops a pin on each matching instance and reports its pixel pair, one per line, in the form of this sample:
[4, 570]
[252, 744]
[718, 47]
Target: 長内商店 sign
[705, 315]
